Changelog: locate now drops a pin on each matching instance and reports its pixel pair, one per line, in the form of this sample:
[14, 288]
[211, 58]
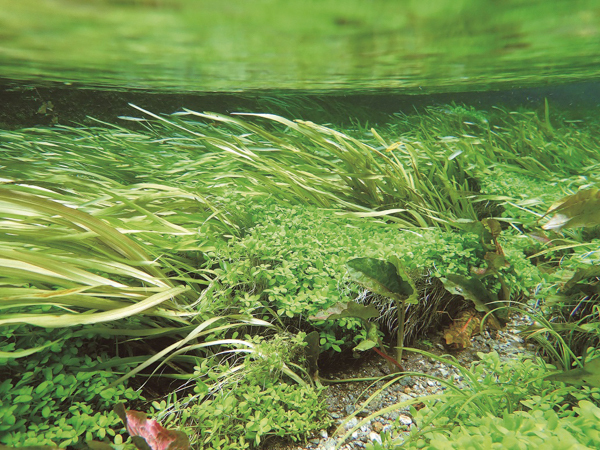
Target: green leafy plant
[358, 311]
[498, 401]
[242, 405]
[246, 416]
[571, 300]
[387, 278]
[56, 396]
[522, 429]
[578, 210]
[158, 242]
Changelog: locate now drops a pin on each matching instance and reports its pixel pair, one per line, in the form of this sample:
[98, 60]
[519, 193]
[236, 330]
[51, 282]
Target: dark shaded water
[23, 105]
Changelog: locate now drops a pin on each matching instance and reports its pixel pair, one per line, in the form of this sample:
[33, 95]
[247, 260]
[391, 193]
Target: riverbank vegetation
[195, 266]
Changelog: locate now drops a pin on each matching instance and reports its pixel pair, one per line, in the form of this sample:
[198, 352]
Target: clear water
[349, 46]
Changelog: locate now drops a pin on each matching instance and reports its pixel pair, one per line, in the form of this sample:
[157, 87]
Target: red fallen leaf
[148, 434]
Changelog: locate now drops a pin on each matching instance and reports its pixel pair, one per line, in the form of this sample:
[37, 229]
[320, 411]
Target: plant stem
[400, 307]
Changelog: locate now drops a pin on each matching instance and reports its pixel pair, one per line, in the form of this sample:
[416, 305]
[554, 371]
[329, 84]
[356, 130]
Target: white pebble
[374, 437]
[404, 419]
[351, 423]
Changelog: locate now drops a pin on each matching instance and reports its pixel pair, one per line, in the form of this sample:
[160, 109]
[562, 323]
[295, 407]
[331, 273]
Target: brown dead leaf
[464, 327]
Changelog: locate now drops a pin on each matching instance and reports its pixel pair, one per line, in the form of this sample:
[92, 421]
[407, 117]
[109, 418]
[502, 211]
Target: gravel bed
[344, 398]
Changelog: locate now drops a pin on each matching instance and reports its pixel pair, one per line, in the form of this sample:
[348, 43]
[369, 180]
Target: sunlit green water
[358, 45]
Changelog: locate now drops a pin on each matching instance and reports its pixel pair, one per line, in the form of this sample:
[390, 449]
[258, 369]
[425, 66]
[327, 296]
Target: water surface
[318, 46]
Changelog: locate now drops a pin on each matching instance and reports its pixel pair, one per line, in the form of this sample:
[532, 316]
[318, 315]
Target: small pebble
[374, 437]
[405, 381]
[377, 427]
[351, 423]
[405, 420]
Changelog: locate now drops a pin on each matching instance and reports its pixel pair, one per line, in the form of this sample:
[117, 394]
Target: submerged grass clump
[173, 245]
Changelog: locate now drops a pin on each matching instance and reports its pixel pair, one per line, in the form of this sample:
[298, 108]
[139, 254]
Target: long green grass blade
[69, 320]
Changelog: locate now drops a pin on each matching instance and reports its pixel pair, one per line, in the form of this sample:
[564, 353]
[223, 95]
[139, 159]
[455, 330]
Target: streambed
[344, 399]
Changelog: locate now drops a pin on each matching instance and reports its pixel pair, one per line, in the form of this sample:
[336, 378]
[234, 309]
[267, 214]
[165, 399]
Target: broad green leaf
[495, 262]
[372, 339]
[589, 375]
[471, 289]
[382, 277]
[579, 210]
[312, 351]
[365, 345]
[483, 229]
[373, 331]
[582, 274]
[348, 309]
[493, 227]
